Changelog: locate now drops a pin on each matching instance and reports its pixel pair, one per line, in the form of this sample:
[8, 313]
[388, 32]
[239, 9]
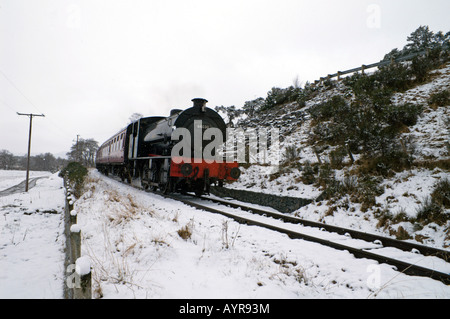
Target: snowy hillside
[400, 196]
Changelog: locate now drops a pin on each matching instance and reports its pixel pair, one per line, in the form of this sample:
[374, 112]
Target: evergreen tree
[421, 39]
[253, 106]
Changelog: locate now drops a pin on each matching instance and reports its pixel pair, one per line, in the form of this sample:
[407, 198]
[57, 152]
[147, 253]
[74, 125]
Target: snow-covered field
[31, 238]
[132, 239]
[12, 178]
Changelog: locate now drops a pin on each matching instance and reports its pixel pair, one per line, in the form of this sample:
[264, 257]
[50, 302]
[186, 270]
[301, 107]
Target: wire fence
[382, 63]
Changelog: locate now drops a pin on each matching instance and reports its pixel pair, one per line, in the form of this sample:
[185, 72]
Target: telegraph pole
[78, 154]
[29, 144]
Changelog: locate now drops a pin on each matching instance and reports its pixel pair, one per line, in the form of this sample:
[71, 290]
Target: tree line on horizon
[83, 151]
[41, 162]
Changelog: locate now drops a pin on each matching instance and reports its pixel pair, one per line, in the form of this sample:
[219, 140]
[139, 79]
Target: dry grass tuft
[185, 232]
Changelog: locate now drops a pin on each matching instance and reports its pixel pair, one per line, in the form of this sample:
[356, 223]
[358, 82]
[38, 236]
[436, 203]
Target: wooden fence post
[349, 153]
[68, 255]
[83, 269]
[70, 201]
[381, 63]
[73, 217]
[317, 155]
[75, 242]
[81, 288]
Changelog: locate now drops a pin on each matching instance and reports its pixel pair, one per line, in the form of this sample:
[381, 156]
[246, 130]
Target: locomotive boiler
[146, 150]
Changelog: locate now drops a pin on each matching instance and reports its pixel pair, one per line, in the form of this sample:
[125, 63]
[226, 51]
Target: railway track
[385, 241]
[362, 246]
[363, 243]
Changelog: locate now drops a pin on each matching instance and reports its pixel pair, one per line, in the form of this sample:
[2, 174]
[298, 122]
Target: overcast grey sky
[88, 65]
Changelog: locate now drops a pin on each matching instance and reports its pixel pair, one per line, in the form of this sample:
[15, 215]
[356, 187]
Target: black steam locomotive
[144, 150]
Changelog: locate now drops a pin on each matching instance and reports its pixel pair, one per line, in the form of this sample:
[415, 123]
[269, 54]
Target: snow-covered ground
[31, 238]
[12, 178]
[132, 239]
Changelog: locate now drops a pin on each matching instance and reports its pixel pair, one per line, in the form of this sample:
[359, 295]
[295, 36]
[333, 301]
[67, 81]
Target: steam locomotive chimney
[200, 103]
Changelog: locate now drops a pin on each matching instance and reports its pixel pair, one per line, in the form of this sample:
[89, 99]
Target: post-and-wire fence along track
[78, 277]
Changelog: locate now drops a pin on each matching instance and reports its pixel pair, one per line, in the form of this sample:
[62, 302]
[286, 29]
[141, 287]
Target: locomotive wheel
[199, 188]
[166, 188]
[128, 174]
[198, 192]
[153, 176]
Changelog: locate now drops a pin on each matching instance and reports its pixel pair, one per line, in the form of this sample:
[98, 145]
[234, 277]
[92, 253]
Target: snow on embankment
[389, 205]
[144, 246]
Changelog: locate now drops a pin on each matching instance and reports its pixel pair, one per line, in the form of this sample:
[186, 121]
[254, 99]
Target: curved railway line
[359, 244]
[361, 250]
[385, 241]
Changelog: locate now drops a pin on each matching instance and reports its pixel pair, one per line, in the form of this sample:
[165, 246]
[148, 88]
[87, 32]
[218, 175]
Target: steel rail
[385, 241]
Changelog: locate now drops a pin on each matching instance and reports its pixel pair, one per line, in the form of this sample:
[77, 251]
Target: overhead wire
[54, 125]
[18, 90]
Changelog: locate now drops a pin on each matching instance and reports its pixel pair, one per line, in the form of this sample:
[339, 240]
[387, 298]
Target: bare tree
[84, 152]
[7, 160]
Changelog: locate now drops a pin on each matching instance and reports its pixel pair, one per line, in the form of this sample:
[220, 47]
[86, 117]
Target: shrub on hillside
[277, 96]
[394, 160]
[404, 114]
[441, 193]
[431, 212]
[368, 189]
[336, 107]
[363, 189]
[441, 98]
[291, 153]
[420, 67]
[308, 177]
